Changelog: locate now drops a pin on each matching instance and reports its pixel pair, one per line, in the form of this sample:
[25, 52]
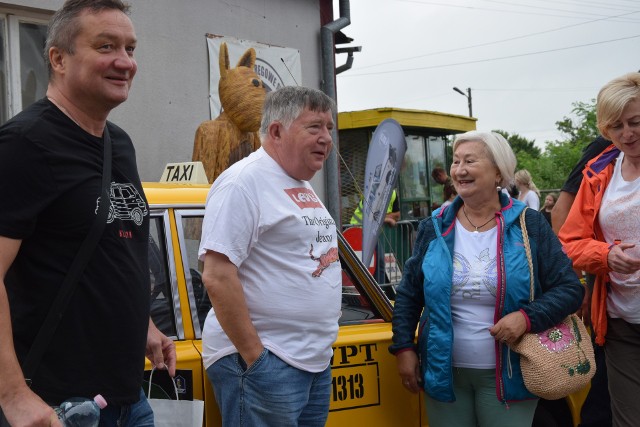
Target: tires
[137, 216]
[111, 215]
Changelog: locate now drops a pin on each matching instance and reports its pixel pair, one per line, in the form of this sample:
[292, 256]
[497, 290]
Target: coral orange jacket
[582, 236]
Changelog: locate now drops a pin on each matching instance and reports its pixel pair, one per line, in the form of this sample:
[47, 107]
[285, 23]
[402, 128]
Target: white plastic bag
[176, 413]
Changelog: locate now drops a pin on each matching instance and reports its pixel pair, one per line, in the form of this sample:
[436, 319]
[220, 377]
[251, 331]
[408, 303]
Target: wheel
[111, 215]
[137, 216]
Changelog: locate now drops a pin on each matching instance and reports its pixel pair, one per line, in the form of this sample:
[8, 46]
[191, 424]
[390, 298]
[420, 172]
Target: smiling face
[625, 132]
[99, 72]
[474, 175]
[302, 148]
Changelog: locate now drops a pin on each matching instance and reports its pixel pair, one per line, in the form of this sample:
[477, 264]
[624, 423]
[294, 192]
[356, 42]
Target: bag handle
[173, 381]
[50, 324]
[527, 249]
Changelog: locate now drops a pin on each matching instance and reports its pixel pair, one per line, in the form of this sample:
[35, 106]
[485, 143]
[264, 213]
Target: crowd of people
[464, 288]
[589, 228]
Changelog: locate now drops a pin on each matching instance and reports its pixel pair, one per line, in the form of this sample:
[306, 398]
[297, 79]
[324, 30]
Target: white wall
[169, 97]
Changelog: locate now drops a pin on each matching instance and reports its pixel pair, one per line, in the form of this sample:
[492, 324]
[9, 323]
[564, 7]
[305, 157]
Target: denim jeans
[136, 415]
[269, 393]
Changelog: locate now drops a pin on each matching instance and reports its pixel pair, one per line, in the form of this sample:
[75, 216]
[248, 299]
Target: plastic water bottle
[81, 412]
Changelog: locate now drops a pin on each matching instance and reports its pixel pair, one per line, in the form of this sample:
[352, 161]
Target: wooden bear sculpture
[232, 135]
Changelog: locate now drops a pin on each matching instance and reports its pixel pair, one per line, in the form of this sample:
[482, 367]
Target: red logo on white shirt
[304, 197]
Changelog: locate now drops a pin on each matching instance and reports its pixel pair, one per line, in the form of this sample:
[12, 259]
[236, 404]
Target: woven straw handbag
[558, 361]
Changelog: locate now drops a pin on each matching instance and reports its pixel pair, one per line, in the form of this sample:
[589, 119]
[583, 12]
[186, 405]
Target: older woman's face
[473, 173]
[625, 132]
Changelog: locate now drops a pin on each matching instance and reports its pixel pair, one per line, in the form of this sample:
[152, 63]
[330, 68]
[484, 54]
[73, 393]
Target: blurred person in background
[449, 193]
[549, 203]
[528, 193]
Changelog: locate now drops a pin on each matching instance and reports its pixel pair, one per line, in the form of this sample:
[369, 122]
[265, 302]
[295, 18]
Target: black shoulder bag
[48, 328]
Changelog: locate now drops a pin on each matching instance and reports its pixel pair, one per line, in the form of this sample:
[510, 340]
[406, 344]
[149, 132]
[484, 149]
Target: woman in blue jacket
[467, 289]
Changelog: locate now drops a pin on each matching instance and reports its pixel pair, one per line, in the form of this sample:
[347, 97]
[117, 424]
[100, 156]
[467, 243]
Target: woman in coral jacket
[602, 234]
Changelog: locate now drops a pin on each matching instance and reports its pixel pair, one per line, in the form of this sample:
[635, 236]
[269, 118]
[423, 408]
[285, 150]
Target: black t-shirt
[50, 179]
[546, 215]
[597, 146]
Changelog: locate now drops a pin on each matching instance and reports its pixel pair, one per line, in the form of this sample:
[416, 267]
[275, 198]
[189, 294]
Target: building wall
[169, 97]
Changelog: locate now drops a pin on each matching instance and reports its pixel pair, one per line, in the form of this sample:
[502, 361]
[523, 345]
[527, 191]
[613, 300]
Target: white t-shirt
[473, 297]
[283, 240]
[532, 200]
[618, 216]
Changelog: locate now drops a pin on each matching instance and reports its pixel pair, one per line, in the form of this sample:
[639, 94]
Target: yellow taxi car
[366, 387]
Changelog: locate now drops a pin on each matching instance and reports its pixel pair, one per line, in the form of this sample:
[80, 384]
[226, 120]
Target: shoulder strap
[527, 249]
[78, 265]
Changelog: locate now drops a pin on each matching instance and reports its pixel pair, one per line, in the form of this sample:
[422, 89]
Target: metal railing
[395, 245]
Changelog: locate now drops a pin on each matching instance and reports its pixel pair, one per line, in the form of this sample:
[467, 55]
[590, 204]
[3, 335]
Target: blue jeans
[136, 415]
[269, 393]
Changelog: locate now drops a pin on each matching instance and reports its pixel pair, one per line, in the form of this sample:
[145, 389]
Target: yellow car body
[366, 387]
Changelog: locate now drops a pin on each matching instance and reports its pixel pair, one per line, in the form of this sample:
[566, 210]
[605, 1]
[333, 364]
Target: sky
[526, 61]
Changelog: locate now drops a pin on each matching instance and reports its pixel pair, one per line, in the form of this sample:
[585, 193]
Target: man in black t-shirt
[596, 410]
[51, 161]
[572, 184]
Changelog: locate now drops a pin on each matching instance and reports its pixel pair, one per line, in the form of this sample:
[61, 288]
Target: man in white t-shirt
[272, 272]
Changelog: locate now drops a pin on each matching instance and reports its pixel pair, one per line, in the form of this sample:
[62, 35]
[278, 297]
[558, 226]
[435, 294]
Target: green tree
[520, 144]
[550, 168]
[564, 154]
[529, 157]
[582, 129]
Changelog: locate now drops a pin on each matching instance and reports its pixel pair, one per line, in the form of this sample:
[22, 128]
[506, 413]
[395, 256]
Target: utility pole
[468, 96]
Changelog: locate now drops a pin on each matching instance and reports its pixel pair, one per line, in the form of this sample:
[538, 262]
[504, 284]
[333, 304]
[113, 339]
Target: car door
[170, 310]
[366, 388]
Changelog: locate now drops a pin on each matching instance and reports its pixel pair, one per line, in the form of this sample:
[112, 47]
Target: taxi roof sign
[185, 173]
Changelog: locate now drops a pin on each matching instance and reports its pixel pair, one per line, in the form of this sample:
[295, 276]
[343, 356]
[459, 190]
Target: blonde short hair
[613, 98]
[498, 150]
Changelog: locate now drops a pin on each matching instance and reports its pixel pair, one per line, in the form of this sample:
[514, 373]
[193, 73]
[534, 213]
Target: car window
[356, 308]
[189, 222]
[162, 307]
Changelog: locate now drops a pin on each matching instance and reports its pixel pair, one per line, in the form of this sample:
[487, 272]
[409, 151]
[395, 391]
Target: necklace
[464, 211]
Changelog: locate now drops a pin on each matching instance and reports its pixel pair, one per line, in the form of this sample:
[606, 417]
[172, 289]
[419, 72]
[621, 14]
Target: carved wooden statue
[232, 135]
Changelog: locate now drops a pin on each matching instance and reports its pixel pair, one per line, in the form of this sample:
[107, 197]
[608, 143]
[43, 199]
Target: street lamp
[468, 96]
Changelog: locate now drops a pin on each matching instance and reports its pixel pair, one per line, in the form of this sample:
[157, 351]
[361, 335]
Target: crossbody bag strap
[48, 328]
[527, 249]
